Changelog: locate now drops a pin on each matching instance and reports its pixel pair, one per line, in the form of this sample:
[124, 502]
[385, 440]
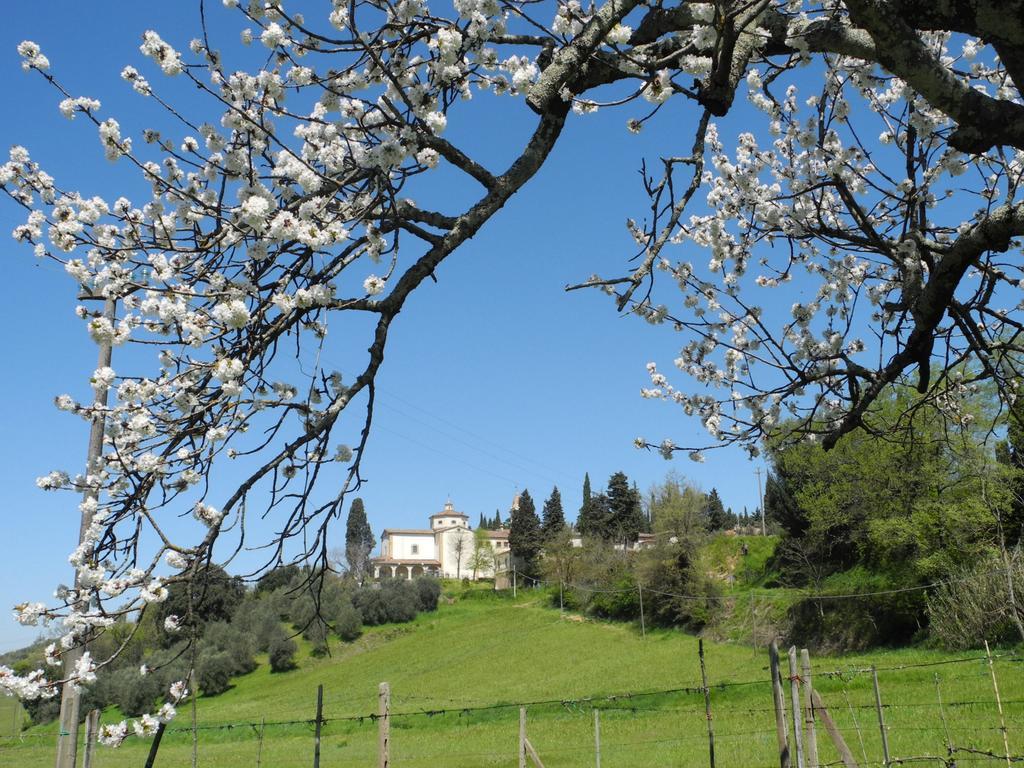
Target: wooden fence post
[597, 738]
[522, 737]
[643, 624]
[881, 718]
[999, 705]
[798, 721]
[781, 729]
[319, 718]
[92, 727]
[950, 749]
[259, 744]
[384, 726]
[811, 732]
[707, 703]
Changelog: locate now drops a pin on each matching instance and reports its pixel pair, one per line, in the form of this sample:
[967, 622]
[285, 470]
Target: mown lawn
[492, 650]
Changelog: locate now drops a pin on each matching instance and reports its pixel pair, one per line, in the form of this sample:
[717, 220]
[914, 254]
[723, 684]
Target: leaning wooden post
[384, 726]
[881, 718]
[781, 729]
[319, 719]
[92, 726]
[811, 733]
[837, 737]
[522, 737]
[798, 721]
[643, 624]
[707, 704]
[999, 705]
[597, 738]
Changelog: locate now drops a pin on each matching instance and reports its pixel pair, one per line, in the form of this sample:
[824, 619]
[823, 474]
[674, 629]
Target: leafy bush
[213, 672]
[428, 592]
[396, 601]
[260, 618]
[401, 600]
[974, 605]
[348, 623]
[239, 645]
[133, 694]
[371, 605]
[282, 653]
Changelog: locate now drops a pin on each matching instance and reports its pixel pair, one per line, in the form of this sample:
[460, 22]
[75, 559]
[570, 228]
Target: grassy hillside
[488, 649]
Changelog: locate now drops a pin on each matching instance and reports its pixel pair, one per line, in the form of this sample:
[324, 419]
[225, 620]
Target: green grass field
[11, 715]
[488, 649]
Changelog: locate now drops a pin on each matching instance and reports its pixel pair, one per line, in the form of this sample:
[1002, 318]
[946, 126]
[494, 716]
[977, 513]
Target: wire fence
[942, 713]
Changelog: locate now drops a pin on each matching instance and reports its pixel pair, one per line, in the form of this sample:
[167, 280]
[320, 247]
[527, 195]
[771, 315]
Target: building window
[415, 549]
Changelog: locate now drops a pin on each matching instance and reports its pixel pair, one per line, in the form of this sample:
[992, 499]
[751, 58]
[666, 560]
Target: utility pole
[760, 498]
[70, 699]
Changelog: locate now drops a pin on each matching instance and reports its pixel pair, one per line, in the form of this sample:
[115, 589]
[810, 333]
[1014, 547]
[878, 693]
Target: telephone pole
[760, 498]
[70, 698]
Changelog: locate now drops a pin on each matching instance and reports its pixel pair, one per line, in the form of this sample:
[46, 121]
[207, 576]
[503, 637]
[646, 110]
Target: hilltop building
[444, 550]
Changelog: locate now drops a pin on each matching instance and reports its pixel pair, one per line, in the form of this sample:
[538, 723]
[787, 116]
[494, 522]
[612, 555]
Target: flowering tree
[883, 178]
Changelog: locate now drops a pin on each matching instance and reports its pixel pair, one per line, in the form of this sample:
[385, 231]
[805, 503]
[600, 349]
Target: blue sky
[495, 378]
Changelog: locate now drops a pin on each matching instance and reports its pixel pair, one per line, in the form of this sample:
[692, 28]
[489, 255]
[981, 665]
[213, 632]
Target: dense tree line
[232, 625]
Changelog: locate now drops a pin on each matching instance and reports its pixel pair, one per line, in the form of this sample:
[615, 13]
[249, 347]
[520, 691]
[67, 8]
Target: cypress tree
[497, 520]
[359, 540]
[554, 517]
[524, 538]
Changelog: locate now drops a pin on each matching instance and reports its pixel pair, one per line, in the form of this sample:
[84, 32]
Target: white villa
[445, 549]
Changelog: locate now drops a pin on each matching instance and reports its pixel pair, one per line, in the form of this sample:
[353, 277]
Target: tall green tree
[524, 537]
[625, 519]
[595, 516]
[716, 518]
[586, 499]
[1010, 453]
[676, 510]
[554, 516]
[359, 541]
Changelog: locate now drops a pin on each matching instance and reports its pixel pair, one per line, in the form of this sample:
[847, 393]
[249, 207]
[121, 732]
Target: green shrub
[227, 638]
[213, 672]
[395, 601]
[401, 601]
[428, 592]
[134, 694]
[282, 654]
[974, 605]
[348, 623]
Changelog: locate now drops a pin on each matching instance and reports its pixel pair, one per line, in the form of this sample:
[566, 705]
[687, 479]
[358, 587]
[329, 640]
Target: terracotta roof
[499, 534]
[420, 532]
[453, 513]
